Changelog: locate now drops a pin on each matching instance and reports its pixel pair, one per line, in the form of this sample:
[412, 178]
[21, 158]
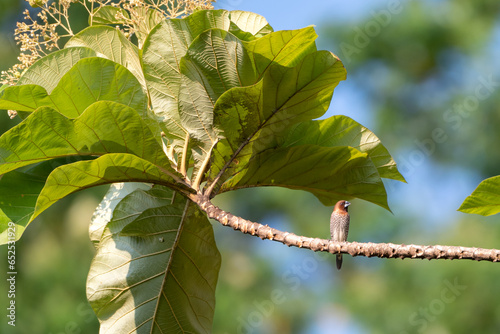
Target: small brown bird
[339, 225]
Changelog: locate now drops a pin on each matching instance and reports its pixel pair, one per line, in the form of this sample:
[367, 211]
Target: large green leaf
[105, 127]
[156, 267]
[24, 98]
[253, 118]
[163, 50]
[330, 173]
[343, 131]
[255, 24]
[215, 62]
[89, 80]
[47, 71]
[485, 199]
[169, 41]
[19, 191]
[110, 43]
[212, 62]
[110, 168]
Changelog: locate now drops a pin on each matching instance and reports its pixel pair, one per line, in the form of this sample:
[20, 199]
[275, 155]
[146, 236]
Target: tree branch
[369, 249]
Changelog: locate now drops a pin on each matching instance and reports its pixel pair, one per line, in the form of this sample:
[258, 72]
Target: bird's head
[341, 206]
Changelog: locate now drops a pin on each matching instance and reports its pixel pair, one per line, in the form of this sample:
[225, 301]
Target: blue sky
[294, 14]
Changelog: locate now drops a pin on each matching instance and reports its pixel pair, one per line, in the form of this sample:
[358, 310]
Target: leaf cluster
[210, 103]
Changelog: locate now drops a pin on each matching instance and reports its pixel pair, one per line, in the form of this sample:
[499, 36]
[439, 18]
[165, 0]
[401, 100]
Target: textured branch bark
[369, 249]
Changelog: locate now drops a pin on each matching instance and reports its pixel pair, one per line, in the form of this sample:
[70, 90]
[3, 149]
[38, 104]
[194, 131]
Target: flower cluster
[38, 36]
[134, 23]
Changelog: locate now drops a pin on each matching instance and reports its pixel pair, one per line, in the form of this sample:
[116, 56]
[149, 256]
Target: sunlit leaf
[47, 71]
[105, 127]
[24, 98]
[286, 48]
[109, 168]
[485, 199]
[89, 80]
[207, 73]
[253, 118]
[163, 50]
[110, 43]
[215, 61]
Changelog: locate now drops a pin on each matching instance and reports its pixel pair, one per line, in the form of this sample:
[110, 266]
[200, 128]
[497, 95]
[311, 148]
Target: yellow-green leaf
[485, 199]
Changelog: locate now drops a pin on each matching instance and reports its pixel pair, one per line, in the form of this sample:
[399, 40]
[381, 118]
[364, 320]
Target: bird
[339, 225]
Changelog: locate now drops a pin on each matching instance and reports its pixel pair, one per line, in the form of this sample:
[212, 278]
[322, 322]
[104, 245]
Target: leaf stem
[184, 155]
[202, 170]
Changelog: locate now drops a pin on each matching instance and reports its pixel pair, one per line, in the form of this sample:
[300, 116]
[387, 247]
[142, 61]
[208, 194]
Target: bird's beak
[347, 204]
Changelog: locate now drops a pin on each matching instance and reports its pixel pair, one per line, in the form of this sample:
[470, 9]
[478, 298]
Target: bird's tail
[339, 261]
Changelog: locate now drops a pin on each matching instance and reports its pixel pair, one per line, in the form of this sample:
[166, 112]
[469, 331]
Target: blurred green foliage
[52, 262]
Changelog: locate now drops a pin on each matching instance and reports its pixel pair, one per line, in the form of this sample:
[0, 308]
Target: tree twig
[369, 249]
